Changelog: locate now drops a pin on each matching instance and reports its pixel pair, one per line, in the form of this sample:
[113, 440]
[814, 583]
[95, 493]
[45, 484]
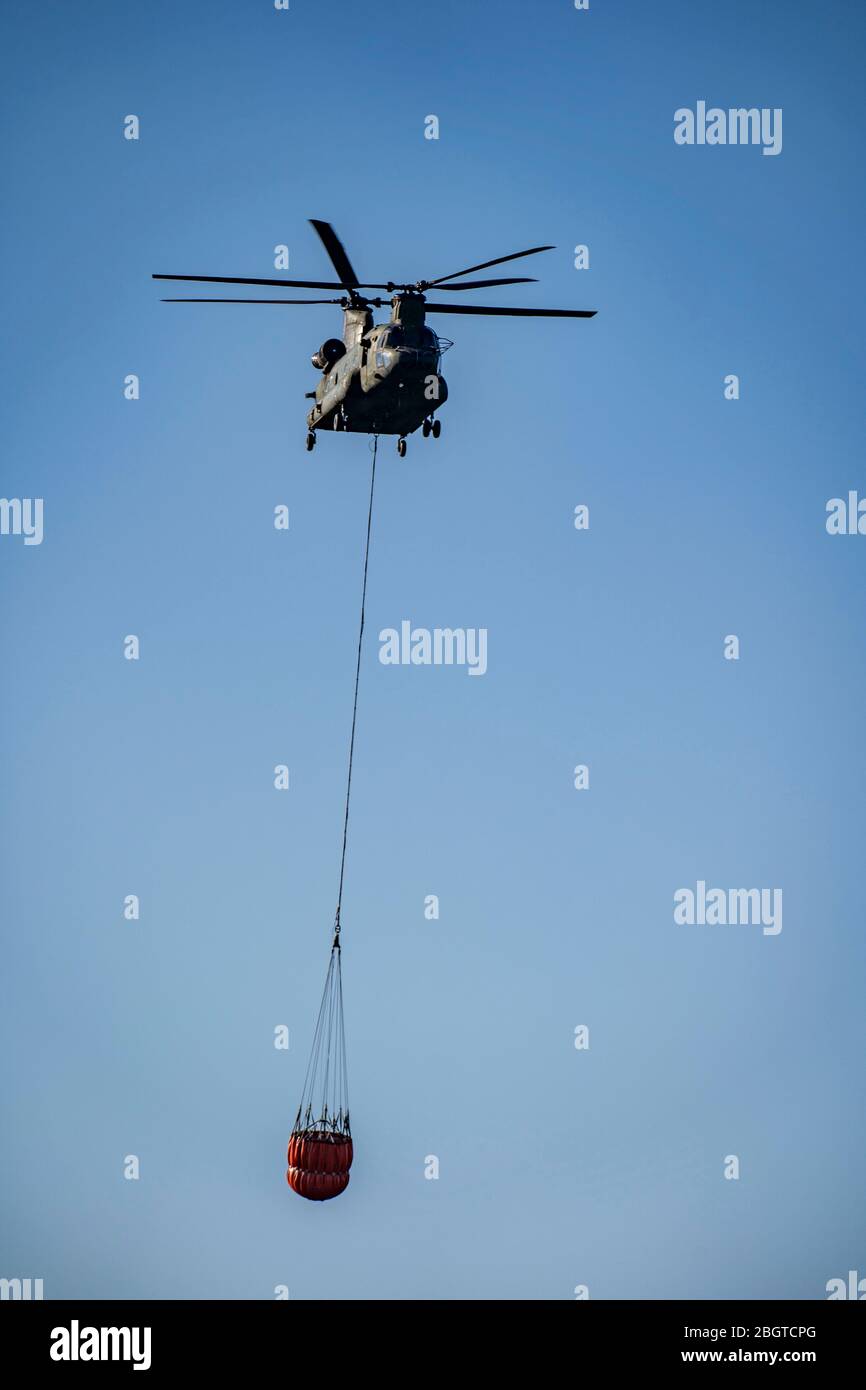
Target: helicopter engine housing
[331, 351]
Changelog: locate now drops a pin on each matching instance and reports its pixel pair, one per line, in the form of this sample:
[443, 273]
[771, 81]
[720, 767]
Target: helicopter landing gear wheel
[401, 447]
[436, 428]
[426, 428]
[311, 441]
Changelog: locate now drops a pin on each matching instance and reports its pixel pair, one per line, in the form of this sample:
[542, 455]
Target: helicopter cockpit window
[392, 338]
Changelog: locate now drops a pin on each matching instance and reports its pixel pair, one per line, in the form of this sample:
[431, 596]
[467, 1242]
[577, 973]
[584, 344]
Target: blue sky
[557, 1167]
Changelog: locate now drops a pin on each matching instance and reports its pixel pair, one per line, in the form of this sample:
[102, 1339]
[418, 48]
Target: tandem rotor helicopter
[382, 378]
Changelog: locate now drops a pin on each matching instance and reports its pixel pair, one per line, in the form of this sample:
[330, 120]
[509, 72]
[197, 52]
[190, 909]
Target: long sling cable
[324, 1106]
[355, 702]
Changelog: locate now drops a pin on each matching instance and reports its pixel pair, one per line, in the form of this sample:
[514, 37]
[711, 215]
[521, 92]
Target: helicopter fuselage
[382, 378]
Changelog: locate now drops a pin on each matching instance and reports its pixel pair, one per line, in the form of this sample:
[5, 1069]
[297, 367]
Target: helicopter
[382, 378]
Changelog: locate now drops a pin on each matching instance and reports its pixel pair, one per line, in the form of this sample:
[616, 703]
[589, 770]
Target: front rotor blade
[515, 256]
[252, 301]
[334, 284]
[337, 253]
[240, 280]
[510, 313]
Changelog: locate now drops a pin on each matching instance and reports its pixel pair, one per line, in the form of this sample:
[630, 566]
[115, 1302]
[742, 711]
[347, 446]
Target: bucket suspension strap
[374, 450]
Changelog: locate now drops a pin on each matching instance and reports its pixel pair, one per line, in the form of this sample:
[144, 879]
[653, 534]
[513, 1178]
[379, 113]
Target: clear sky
[557, 1167]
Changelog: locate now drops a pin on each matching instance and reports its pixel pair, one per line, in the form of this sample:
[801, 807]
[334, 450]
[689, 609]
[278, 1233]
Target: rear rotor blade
[486, 284]
[392, 285]
[337, 253]
[499, 260]
[510, 313]
[241, 280]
